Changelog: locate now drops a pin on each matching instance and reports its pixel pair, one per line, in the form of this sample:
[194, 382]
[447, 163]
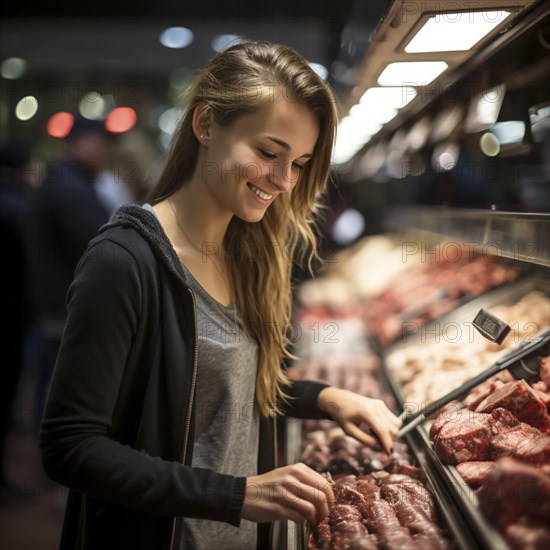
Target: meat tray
[452, 521]
[463, 499]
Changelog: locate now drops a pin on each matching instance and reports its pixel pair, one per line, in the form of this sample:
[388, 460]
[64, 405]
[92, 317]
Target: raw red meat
[479, 393]
[475, 472]
[509, 441]
[412, 502]
[503, 420]
[525, 537]
[465, 440]
[408, 470]
[516, 494]
[535, 452]
[545, 370]
[521, 400]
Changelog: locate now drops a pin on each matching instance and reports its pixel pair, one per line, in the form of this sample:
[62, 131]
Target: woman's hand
[294, 492]
[350, 410]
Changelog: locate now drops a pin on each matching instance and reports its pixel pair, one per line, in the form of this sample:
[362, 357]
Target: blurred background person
[65, 214]
[14, 192]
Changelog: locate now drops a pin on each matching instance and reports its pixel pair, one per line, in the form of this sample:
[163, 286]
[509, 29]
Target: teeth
[261, 194]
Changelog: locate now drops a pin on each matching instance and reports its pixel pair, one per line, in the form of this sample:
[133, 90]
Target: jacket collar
[147, 225]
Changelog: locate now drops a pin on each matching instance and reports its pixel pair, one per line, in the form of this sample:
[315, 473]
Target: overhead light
[445, 156]
[484, 109]
[459, 31]
[176, 37]
[411, 73]
[445, 122]
[372, 113]
[395, 97]
[418, 135]
[352, 134]
[489, 144]
[511, 131]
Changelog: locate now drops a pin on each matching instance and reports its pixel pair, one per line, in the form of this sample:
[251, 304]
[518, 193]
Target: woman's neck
[200, 215]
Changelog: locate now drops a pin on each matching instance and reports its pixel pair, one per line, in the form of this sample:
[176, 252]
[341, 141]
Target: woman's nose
[282, 176]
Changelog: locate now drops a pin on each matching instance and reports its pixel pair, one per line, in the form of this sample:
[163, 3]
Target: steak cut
[519, 398]
[508, 442]
[535, 452]
[475, 472]
[465, 440]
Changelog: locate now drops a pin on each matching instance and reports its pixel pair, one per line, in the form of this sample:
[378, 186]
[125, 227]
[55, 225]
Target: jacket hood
[147, 225]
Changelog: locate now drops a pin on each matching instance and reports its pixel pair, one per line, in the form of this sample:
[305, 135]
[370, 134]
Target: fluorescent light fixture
[372, 113]
[411, 73]
[393, 97]
[446, 122]
[452, 32]
[484, 109]
[418, 135]
[511, 131]
[352, 134]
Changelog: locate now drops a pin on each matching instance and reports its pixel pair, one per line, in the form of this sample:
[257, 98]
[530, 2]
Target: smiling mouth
[260, 193]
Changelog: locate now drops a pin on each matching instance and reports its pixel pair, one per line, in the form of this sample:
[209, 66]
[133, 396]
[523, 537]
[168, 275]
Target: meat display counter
[524, 303]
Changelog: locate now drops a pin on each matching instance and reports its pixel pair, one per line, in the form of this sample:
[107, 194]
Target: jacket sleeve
[302, 402]
[104, 306]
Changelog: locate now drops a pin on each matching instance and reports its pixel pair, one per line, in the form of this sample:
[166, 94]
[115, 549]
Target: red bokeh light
[60, 124]
[121, 120]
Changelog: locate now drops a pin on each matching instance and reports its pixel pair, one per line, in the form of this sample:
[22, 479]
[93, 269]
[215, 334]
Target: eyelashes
[272, 156]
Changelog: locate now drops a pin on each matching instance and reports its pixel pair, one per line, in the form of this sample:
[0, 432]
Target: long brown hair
[261, 254]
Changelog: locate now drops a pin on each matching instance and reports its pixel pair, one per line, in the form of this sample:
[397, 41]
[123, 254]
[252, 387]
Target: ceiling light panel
[447, 32]
[411, 73]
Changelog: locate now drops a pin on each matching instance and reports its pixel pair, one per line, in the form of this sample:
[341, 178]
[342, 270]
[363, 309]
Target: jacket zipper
[189, 409]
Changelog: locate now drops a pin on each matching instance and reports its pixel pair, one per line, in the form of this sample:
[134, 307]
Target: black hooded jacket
[118, 424]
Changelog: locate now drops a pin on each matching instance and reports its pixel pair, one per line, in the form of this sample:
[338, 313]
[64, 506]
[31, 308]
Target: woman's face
[259, 157]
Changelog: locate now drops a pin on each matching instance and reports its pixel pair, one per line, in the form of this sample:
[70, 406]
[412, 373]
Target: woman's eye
[298, 166]
[267, 155]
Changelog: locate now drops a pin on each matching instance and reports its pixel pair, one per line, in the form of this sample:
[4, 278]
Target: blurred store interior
[445, 114]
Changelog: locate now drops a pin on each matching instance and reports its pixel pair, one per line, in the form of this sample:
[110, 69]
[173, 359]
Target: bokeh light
[60, 124]
[121, 120]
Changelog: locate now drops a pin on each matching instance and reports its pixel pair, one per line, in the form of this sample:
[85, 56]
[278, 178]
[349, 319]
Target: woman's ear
[202, 123]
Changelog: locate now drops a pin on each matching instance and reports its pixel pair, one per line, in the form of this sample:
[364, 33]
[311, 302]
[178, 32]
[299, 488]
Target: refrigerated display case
[522, 240]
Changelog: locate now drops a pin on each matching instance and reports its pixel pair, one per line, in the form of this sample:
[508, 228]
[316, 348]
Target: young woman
[160, 416]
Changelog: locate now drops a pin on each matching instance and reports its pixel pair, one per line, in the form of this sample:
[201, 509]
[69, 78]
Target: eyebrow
[286, 146]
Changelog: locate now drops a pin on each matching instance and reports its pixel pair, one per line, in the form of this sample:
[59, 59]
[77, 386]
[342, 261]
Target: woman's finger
[310, 477]
[311, 494]
[354, 431]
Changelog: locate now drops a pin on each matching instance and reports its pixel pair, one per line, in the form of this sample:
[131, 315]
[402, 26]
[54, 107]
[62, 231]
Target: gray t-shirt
[226, 414]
